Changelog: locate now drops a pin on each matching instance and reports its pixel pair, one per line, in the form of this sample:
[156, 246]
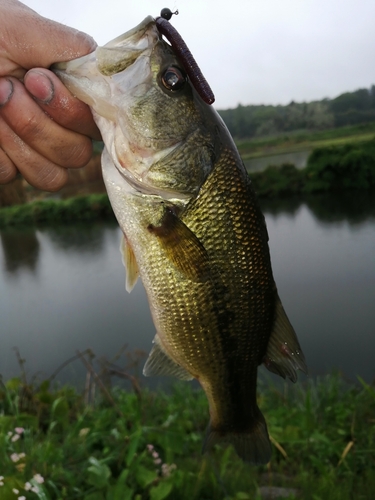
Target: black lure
[183, 52]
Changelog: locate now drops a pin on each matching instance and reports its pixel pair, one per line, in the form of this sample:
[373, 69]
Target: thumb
[31, 40]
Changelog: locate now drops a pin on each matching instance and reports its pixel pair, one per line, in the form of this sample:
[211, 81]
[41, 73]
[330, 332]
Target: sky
[251, 52]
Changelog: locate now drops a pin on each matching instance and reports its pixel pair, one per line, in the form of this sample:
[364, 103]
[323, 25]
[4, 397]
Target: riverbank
[125, 444]
[303, 140]
[335, 169]
[85, 208]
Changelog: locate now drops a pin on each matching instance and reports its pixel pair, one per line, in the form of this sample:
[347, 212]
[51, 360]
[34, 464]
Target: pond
[62, 289]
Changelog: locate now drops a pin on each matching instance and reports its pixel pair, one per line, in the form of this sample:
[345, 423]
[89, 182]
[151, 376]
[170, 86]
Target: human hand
[43, 128]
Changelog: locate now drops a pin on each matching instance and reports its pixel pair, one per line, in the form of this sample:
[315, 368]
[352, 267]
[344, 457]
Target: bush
[335, 168]
[79, 208]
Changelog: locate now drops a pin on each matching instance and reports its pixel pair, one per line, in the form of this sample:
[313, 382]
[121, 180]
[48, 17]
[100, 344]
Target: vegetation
[146, 445]
[304, 140]
[79, 208]
[350, 108]
[330, 169]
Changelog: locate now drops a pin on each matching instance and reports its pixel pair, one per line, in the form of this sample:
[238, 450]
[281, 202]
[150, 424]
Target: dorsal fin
[131, 266]
[160, 363]
[284, 355]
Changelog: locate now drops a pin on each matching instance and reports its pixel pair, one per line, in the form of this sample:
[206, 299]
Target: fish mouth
[109, 60]
[119, 53]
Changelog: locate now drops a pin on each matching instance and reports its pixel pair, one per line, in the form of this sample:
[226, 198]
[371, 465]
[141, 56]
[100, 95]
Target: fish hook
[191, 67]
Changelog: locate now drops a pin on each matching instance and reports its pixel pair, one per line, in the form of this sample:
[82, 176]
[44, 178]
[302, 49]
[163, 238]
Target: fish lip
[130, 39]
[138, 30]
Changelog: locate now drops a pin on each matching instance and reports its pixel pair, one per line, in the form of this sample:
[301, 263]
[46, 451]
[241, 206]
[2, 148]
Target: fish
[193, 232]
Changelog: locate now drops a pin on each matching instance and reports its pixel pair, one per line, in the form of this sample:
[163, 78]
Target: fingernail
[6, 91]
[39, 86]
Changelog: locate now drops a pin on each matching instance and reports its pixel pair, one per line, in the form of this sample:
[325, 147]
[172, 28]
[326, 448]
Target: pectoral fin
[284, 355]
[131, 267]
[159, 363]
[182, 247]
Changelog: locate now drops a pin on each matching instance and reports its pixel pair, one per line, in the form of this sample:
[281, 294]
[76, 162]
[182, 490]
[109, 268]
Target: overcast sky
[251, 52]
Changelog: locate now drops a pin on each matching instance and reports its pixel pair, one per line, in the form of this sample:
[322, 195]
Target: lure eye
[173, 78]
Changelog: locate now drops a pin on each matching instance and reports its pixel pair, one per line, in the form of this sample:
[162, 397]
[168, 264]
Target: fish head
[153, 123]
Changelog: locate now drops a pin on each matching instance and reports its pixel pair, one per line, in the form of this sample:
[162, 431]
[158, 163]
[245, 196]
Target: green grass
[304, 140]
[147, 445]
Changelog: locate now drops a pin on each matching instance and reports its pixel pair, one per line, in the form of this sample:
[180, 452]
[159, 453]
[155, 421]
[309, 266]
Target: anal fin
[159, 363]
[284, 355]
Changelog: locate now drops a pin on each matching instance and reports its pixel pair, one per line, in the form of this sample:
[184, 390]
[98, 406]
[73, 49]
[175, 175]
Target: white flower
[14, 457]
[15, 438]
[15, 491]
[19, 430]
[27, 486]
[10, 434]
[167, 469]
[22, 498]
[38, 478]
[35, 489]
[1, 478]
[22, 455]
[1, 483]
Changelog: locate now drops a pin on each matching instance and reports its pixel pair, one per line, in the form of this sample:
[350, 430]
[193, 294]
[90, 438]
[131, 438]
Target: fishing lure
[183, 52]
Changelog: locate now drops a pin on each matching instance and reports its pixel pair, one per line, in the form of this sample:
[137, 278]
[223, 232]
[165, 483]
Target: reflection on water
[20, 250]
[63, 289]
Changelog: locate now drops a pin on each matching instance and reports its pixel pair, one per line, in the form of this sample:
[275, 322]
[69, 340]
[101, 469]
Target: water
[62, 290]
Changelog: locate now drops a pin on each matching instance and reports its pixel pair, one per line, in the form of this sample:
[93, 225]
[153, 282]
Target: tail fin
[253, 446]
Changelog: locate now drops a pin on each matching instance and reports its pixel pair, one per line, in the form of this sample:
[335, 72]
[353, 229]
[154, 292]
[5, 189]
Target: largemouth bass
[193, 232]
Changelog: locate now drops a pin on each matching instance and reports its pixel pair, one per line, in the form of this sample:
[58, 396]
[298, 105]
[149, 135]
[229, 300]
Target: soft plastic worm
[190, 65]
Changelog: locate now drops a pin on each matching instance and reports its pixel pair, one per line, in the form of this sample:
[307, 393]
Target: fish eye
[173, 78]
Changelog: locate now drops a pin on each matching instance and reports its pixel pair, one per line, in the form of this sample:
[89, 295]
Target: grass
[138, 444]
[304, 140]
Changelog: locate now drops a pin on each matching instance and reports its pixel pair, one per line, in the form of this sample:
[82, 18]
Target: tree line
[350, 108]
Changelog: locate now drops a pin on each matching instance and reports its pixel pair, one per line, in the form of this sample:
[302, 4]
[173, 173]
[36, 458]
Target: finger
[56, 100]
[29, 122]
[8, 170]
[38, 171]
[40, 42]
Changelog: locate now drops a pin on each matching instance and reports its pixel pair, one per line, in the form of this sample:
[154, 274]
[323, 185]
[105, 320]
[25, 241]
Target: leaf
[161, 491]
[121, 491]
[94, 496]
[132, 448]
[98, 473]
[40, 492]
[144, 476]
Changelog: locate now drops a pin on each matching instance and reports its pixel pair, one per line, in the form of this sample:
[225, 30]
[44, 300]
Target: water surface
[63, 289]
